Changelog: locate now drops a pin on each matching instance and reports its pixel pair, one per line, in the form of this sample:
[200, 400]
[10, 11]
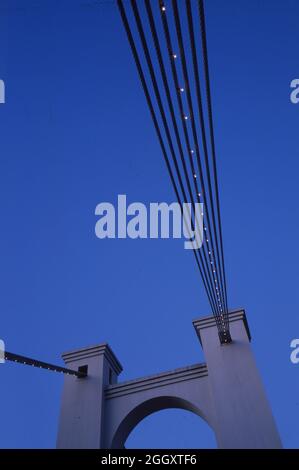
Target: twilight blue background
[75, 131]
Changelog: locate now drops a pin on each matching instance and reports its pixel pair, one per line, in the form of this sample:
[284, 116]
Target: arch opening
[147, 408]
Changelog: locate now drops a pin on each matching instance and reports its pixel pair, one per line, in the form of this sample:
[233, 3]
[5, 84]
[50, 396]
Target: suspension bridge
[169, 45]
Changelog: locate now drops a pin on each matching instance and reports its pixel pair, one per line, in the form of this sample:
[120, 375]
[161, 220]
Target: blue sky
[76, 131]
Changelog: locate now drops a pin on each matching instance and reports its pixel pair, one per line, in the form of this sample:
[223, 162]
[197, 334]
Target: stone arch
[146, 408]
[227, 392]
